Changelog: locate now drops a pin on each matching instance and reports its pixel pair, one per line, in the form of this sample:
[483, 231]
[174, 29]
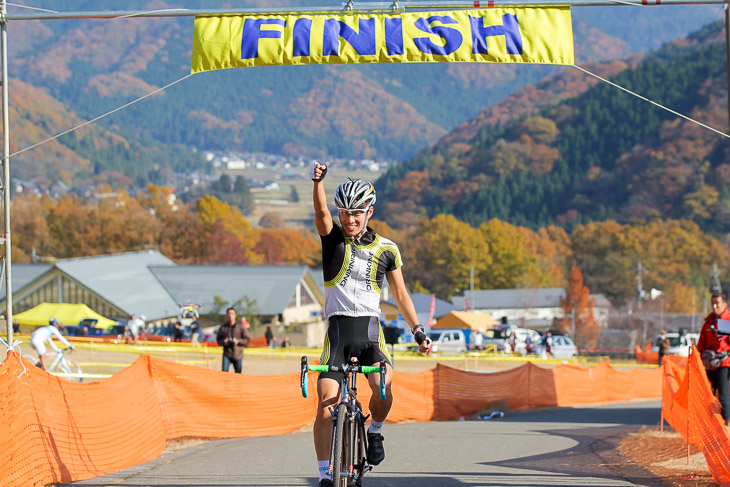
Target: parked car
[497, 337]
[562, 347]
[521, 335]
[679, 343]
[448, 341]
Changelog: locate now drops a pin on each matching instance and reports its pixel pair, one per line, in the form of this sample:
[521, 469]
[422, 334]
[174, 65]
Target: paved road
[566, 446]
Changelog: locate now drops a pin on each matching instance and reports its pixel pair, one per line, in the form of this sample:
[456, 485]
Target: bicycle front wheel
[70, 367]
[340, 447]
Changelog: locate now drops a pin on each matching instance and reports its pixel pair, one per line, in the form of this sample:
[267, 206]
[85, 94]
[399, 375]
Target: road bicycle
[60, 365]
[348, 457]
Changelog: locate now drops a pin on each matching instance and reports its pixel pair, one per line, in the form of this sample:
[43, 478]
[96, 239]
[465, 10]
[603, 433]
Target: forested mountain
[570, 149]
[86, 67]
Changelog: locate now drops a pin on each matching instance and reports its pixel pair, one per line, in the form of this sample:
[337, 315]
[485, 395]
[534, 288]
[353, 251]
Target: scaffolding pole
[6, 174]
[354, 7]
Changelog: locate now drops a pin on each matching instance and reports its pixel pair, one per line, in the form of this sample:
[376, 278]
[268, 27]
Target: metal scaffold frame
[392, 7]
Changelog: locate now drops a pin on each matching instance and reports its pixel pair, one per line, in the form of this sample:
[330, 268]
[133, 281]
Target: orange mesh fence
[645, 356]
[690, 407]
[57, 431]
[194, 401]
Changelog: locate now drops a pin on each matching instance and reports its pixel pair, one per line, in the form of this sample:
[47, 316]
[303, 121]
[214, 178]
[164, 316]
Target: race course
[544, 447]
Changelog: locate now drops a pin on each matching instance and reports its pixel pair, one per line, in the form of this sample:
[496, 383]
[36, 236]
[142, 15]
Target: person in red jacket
[710, 340]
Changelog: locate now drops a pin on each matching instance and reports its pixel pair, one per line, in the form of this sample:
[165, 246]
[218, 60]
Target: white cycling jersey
[45, 334]
[354, 272]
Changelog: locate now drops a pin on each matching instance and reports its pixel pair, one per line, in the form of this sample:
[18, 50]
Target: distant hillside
[91, 154]
[570, 150]
[373, 111]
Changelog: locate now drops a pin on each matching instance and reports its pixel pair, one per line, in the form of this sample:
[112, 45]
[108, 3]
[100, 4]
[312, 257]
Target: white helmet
[355, 195]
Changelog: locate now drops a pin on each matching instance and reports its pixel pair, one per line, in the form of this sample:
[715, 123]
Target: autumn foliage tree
[579, 304]
[280, 247]
[205, 231]
[228, 235]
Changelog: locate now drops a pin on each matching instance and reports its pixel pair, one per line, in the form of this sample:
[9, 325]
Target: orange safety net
[55, 431]
[645, 356]
[690, 407]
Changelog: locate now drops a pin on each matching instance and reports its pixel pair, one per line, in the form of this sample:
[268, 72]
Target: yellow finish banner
[495, 35]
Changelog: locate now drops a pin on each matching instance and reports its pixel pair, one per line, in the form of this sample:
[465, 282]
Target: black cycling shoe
[376, 452]
[325, 483]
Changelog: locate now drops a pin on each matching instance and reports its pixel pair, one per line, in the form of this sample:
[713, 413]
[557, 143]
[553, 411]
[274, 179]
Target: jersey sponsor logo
[343, 282]
[368, 270]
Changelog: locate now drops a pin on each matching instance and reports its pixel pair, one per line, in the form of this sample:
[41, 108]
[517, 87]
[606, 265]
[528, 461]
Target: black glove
[418, 334]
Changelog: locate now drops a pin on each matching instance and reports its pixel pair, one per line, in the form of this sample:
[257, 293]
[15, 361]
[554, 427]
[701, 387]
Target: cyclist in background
[355, 262]
[45, 334]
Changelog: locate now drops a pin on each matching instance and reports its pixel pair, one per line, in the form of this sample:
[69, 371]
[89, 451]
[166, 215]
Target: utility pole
[639, 285]
[572, 323]
[727, 56]
[717, 287]
[471, 286]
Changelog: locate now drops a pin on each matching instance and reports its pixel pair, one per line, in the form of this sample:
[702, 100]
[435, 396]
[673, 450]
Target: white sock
[324, 469]
[375, 427]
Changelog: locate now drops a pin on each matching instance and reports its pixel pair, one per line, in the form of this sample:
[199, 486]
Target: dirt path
[665, 455]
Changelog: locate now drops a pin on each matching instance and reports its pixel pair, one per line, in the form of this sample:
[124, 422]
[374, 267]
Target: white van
[447, 341]
[678, 344]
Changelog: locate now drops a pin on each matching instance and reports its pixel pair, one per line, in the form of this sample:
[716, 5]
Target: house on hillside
[529, 308]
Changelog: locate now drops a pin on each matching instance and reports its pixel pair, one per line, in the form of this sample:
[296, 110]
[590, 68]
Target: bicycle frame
[353, 451]
[57, 361]
[62, 365]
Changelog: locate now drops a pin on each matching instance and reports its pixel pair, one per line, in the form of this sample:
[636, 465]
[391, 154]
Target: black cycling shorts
[349, 336]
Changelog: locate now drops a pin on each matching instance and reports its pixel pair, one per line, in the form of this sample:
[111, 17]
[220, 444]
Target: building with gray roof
[287, 292]
[422, 303]
[148, 283]
[530, 308]
[23, 274]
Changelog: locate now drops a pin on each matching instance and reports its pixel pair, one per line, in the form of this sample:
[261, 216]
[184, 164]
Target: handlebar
[346, 368]
[363, 369]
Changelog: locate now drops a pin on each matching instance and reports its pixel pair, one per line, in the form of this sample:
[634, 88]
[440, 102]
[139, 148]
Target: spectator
[195, 333]
[286, 343]
[136, 327]
[45, 334]
[710, 343]
[16, 326]
[512, 341]
[128, 338]
[232, 336]
[529, 346]
[178, 330]
[269, 335]
[478, 340]
[664, 345]
[547, 341]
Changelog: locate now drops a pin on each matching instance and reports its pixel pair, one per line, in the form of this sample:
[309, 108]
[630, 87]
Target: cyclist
[355, 261]
[45, 334]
